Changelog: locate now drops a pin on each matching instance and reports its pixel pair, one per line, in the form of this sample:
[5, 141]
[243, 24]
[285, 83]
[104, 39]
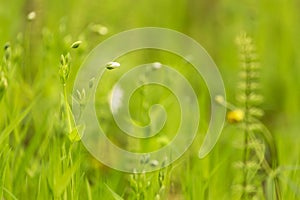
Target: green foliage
[259, 166]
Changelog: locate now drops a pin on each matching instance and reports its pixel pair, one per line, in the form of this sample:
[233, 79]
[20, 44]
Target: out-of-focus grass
[34, 152]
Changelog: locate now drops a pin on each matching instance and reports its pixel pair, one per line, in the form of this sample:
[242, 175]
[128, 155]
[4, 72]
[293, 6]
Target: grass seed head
[64, 69]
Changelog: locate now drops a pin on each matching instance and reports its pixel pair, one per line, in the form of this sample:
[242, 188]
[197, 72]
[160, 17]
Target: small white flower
[31, 16]
[112, 65]
[103, 30]
[157, 65]
[219, 99]
[154, 163]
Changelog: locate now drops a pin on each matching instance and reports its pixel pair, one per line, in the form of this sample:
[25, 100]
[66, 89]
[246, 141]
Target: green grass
[37, 158]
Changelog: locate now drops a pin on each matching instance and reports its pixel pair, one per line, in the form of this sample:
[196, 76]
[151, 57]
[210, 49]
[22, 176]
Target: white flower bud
[157, 65]
[219, 99]
[112, 65]
[31, 16]
[76, 44]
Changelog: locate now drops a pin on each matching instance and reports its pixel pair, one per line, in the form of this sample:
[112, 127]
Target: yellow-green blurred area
[214, 24]
[33, 141]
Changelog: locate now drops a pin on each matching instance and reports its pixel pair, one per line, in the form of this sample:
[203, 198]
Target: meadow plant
[64, 72]
[41, 156]
[259, 156]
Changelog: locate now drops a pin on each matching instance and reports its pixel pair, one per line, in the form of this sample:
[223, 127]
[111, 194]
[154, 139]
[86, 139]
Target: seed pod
[76, 44]
[112, 65]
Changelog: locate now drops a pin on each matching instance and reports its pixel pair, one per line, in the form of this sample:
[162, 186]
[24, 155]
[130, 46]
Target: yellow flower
[235, 116]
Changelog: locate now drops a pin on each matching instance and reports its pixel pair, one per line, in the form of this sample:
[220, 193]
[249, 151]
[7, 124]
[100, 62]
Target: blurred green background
[214, 24]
